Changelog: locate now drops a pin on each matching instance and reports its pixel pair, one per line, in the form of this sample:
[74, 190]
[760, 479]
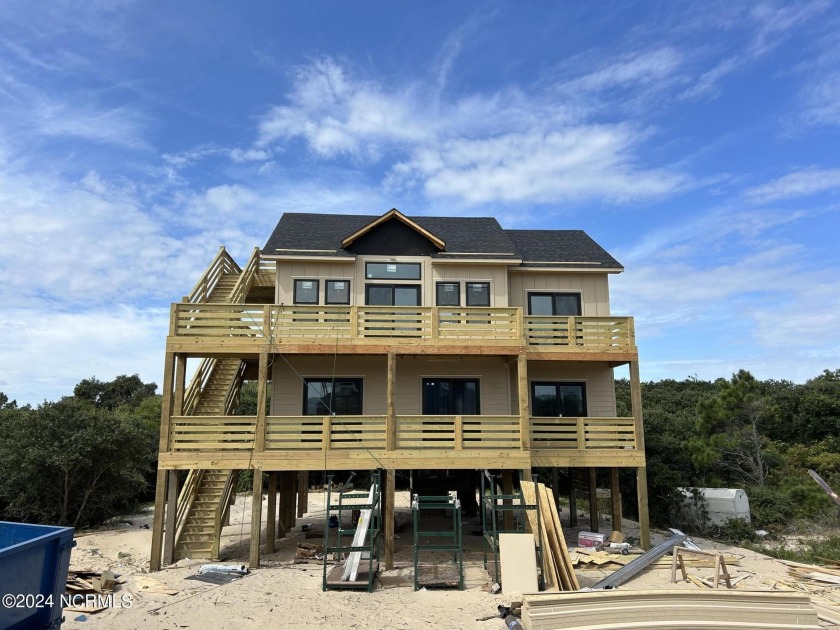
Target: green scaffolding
[451, 540]
[350, 502]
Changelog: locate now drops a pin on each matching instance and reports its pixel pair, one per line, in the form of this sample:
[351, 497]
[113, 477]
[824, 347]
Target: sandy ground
[283, 594]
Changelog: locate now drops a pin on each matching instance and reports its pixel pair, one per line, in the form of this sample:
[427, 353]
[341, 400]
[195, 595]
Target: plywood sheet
[518, 558]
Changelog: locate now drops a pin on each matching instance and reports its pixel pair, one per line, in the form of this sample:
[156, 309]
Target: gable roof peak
[394, 214]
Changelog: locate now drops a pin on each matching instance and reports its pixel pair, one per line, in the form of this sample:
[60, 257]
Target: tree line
[91, 456]
[740, 432]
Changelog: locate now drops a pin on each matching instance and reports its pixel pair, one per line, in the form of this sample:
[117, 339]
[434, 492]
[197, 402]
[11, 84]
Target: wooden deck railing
[212, 433]
[579, 331]
[474, 324]
[583, 433]
[317, 433]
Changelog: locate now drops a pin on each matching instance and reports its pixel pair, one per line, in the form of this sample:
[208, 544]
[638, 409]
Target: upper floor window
[554, 304]
[392, 271]
[392, 294]
[449, 294]
[306, 291]
[478, 294]
[337, 292]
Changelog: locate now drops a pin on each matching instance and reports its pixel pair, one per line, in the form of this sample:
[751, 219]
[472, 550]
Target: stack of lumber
[557, 566]
[813, 573]
[619, 610]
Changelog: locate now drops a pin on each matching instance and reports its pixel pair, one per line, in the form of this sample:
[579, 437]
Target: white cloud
[638, 70]
[574, 163]
[478, 149]
[771, 25]
[821, 100]
[798, 184]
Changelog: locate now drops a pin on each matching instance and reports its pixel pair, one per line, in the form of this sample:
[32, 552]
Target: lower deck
[419, 442]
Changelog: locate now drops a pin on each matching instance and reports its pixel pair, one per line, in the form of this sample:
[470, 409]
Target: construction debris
[623, 610]
[558, 571]
[640, 563]
[83, 587]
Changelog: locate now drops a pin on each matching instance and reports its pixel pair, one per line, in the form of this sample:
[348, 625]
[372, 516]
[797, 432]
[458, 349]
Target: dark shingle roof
[465, 235]
[564, 246]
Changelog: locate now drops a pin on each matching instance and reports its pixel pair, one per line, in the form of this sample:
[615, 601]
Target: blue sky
[697, 142]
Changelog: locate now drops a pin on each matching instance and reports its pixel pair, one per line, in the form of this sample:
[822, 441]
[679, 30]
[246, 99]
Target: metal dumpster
[33, 572]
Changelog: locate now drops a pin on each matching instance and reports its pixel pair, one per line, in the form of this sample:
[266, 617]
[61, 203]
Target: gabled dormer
[393, 234]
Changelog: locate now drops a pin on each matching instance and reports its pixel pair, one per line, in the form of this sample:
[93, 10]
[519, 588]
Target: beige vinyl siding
[492, 373]
[287, 388]
[288, 272]
[593, 287]
[496, 275]
[599, 380]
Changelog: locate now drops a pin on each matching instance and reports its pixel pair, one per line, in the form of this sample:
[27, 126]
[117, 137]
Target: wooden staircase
[204, 502]
[221, 292]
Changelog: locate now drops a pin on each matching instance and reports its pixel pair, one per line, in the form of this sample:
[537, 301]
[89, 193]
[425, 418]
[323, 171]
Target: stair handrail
[199, 380]
[232, 396]
[222, 264]
[222, 508]
[239, 292]
[186, 499]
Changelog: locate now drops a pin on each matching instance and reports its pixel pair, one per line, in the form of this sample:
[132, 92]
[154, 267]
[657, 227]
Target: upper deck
[246, 329]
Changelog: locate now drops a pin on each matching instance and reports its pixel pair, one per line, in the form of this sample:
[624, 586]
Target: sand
[287, 595]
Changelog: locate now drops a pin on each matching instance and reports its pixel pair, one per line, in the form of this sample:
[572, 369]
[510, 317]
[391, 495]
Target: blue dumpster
[34, 560]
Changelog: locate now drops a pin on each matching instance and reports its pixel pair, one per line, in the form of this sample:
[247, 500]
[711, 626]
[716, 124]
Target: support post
[555, 483]
[593, 499]
[256, 518]
[279, 515]
[293, 487]
[524, 404]
[270, 529]
[507, 488]
[262, 392]
[163, 446]
[303, 493]
[390, 479]
[171, 514]
[180, 384]
[641, 473]
[573, 513]
[615, 497]
[157, 525]
[391, 418]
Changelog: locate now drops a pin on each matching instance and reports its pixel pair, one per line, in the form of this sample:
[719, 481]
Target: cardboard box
[591, 539]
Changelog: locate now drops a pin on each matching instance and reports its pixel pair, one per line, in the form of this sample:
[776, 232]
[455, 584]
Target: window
[306, 291]
[392, 271]
[449, 294]
[553, 400]
[392, 295]
[451, 396]
[338, 292]
[326, 396]
[478, 294]
[554, 304]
